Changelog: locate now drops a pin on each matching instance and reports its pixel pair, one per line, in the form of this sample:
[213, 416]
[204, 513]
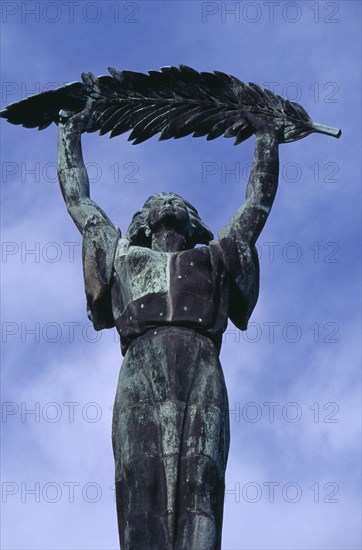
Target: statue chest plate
[152, 287]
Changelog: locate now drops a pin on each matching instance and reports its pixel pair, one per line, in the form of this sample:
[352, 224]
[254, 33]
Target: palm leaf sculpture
[175, 102]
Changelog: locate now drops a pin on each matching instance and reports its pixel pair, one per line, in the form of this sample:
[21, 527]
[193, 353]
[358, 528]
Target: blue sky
[293, 378]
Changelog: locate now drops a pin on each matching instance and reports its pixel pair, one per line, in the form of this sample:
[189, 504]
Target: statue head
[168, 210]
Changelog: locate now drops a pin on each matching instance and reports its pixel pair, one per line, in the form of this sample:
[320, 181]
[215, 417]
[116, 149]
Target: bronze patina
[169, 300]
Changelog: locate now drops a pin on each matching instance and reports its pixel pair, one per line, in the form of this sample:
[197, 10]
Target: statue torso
[152, 288]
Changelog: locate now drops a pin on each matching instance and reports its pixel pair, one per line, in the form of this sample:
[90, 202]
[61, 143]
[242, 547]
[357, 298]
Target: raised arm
[237, 239]
[72, 174]
[250, 218]
[262, 186]
[100, 236]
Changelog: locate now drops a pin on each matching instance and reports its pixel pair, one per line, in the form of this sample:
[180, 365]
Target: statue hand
[265, 124]
[80, 121]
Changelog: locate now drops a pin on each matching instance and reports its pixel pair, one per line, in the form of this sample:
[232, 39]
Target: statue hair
[139, 232]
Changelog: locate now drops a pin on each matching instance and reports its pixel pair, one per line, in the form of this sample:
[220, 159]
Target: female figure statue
[170, 303]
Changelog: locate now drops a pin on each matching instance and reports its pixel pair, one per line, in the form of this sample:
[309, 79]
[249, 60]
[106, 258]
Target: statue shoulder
[100, 233]
[123, 247]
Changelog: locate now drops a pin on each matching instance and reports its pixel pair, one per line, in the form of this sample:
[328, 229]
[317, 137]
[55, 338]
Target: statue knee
[142, 485]
[202, 486]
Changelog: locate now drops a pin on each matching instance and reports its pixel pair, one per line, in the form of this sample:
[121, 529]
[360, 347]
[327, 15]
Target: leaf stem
[328, 130]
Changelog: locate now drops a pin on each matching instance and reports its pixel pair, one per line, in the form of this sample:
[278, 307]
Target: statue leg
[204, 452]
[140, 480]
[170, 437]
[141, 506]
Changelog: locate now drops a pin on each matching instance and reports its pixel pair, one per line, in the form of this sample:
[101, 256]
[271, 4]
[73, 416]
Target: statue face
[164, 212]
[169, 212]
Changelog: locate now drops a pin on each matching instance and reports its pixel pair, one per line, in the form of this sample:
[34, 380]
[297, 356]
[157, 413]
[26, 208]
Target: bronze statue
[169, 301]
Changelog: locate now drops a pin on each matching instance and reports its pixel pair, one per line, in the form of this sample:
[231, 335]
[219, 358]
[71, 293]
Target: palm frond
[173, 102]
